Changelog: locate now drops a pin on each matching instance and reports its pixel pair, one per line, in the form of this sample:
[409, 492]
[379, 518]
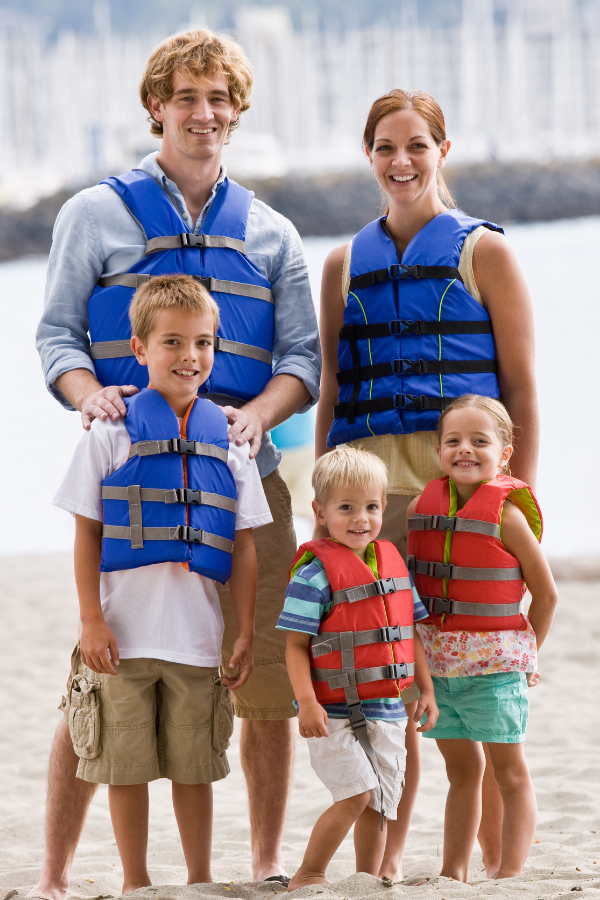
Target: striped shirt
[308, 601]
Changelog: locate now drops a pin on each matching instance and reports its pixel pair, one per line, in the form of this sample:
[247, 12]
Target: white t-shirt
[160, 611]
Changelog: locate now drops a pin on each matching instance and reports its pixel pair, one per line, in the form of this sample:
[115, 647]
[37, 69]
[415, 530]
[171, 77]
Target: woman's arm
[331, 320]
[519, 540]
[506, 298]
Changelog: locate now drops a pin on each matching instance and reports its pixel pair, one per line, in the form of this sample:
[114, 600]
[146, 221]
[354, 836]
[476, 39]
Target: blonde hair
[428, 108]
[348, 467]
[168, 292]
[198, 53]
[492, 408]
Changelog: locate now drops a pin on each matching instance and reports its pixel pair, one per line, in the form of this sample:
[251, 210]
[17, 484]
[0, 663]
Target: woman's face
[405, 158]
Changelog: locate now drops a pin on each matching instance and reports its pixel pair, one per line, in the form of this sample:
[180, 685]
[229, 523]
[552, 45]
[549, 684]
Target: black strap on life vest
[416, 367]
[400, 271]
[350, 410]
[409, 326]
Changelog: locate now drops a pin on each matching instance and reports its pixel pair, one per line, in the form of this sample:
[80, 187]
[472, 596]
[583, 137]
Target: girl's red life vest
[466, 578]
[364, 649]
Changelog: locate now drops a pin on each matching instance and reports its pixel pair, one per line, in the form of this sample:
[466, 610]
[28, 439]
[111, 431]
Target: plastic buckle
[413, 271]
[440, 605]
[190, 496]
[445, 523]
[192, 535]
[191, 240]
[385, 586]
[397, 670]
[412, 325]
[390, 633]
[399, 401]
[440, 570]
[394, 271]
[178, 445]
[206, 282]
[415, 401]
[356, 714]
[413, 366]
[394, 326]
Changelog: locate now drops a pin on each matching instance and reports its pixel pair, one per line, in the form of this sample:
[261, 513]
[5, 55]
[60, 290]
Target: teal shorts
[488, 708]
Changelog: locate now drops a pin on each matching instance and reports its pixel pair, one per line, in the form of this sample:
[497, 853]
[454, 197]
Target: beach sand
[38, 631]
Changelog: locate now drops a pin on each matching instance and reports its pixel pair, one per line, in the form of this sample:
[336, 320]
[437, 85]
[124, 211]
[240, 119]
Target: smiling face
[353, 516]
[197, 117]
[405, 158]
[470, 450]
[179, 353]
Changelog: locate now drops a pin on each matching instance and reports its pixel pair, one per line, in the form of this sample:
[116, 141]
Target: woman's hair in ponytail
[427, 107]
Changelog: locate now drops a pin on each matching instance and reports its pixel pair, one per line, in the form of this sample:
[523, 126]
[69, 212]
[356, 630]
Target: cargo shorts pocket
[84, 717]
[222, 717]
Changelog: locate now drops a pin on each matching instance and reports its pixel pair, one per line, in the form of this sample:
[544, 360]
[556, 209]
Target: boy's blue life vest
[174, 500]
[413, 338]
[244, 344]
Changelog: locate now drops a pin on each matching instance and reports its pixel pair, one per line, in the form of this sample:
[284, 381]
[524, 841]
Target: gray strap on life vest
[176, 495]
[340, 678]
[177, 445]
[135, 516]
[111, 349]
[326, 642]
[461, 573]
[372, 589]
[213, 285]
[453, 523]
[187, 239]
[439, 605]
[247, 350]
[177, 533]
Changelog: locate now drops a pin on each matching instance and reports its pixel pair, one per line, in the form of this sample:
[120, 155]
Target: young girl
[473, 542]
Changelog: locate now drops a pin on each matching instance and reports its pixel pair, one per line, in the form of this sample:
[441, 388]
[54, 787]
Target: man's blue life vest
[413, 338]
[244, 344]
[174, 500]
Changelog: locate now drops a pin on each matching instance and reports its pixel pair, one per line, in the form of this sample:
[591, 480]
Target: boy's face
[352, 515]
[179, 354]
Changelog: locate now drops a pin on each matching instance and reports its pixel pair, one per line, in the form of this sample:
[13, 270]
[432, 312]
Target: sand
[38, 607]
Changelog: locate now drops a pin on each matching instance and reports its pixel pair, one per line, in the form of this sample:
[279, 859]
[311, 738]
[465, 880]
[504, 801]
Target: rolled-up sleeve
[74, 267]
[296, 348]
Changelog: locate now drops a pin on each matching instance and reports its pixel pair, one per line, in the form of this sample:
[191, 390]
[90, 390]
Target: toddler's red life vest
[364, 648]
[466, 578]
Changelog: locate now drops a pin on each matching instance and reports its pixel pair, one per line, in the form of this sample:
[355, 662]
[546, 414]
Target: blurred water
[557, 258]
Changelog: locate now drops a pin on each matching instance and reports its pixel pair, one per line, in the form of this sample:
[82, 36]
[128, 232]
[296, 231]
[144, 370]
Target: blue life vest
[244, 344]
[413, 338]
[174, 500]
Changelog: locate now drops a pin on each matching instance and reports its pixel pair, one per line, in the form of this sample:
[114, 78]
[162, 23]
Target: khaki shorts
[268, 693]
[155, 719]
[394, 529]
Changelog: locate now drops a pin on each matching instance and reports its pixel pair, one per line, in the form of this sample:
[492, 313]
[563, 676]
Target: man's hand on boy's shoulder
[312, 719]
[99, 649]
[426, 707]
[241, 659]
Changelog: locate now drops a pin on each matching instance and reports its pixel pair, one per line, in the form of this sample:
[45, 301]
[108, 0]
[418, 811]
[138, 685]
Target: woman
[432, 305]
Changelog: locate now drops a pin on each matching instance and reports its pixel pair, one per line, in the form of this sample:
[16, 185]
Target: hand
[106, 402]
[240, 660]
[99, 648]
[428, 707]
[533, 678]
[312, 720]
[245, 426]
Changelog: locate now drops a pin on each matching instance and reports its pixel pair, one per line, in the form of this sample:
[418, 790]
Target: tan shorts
[268, 693]
[155, 719]
[394, 529]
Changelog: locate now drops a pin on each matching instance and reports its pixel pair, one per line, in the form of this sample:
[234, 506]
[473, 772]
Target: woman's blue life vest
[174, 500]
[413, 338]
[217, 258]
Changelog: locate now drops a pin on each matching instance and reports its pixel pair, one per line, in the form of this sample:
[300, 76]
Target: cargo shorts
[268, 693]
[154, 719]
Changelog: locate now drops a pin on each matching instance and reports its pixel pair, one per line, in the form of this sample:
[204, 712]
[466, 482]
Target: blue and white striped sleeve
[307, 599]
[419, 611]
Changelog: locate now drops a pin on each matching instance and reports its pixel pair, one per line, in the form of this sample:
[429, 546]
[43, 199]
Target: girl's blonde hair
[493, 408]
[169, 292]
[348, 467]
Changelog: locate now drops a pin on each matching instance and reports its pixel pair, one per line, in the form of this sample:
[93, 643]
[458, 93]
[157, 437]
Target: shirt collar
[150, 166]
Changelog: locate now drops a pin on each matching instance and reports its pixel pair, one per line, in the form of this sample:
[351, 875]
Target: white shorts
[344, 768]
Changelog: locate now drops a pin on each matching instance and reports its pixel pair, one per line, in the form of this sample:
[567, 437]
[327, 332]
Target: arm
[85, 393]
[505, 296]
[426, 705]
[99, 649]
[519, 540]
[331, 320]
[312, 718]
[242, 585]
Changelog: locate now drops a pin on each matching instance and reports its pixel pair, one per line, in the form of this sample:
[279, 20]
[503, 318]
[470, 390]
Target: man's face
[197, 117]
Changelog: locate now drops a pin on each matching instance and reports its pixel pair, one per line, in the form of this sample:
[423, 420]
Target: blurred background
[519, 83]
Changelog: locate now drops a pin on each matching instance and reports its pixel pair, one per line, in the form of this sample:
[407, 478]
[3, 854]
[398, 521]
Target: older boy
[357, 746]
[145, 698]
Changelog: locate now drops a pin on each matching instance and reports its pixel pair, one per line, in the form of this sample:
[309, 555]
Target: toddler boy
[145, 699]
[364, 772]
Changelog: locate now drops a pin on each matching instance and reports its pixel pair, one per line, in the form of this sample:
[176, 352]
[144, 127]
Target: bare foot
[128, 888]
[390, 877]
[47, 890]
[301, 880]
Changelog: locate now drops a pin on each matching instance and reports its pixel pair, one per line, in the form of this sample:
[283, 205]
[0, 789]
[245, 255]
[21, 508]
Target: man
[195, 87]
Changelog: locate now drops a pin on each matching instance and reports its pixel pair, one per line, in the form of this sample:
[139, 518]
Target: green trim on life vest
[371, 560]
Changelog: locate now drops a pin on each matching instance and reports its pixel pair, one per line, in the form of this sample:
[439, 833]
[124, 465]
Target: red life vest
[466, 578]
[364, 649]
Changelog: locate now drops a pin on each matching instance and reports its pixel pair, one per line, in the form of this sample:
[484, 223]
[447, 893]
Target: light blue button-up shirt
[95, 236]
